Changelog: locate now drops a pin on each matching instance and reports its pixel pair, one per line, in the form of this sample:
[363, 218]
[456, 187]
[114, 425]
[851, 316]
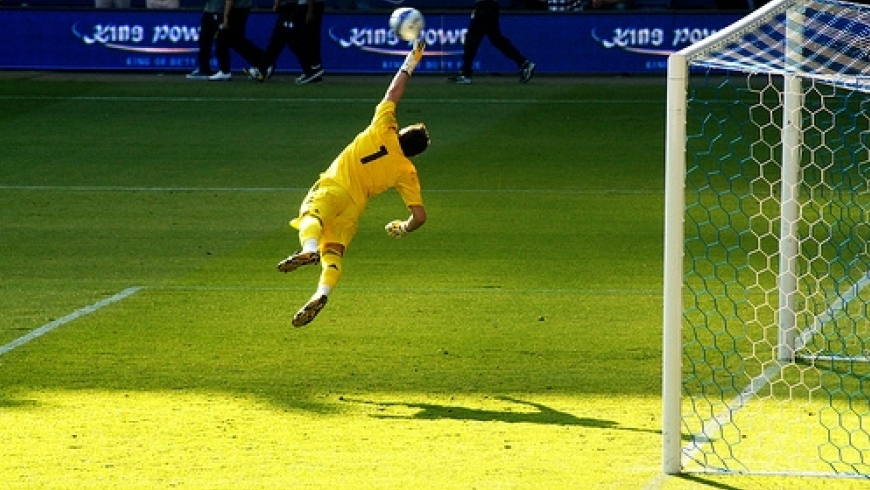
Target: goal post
[766, 323]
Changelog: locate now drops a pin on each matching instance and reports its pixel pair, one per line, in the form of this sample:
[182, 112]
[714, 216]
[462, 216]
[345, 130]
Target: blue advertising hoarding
[634, 43]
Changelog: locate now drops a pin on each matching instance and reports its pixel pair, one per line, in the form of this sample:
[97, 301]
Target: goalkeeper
[376, 160]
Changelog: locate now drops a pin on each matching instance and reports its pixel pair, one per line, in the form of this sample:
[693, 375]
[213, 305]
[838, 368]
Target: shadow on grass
[710, 484]
[11, 404]
[541, 415]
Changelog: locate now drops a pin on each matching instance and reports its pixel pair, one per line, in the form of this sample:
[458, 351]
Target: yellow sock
[330, 262]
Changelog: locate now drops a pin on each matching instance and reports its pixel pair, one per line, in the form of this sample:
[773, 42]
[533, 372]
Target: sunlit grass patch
[94, 439]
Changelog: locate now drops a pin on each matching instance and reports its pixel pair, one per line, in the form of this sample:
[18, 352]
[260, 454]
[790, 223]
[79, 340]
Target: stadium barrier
[166, 41]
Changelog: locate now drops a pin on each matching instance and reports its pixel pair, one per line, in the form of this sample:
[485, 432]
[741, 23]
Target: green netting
[749, 410]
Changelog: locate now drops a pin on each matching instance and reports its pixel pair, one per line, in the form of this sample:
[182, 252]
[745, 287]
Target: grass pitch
[513, 342]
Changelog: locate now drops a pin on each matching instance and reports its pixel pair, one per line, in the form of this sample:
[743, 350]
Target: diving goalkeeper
[376, 160]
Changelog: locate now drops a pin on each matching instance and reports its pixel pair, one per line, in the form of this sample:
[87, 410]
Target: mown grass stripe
[331, 100]
[479, 290]
[73, 188]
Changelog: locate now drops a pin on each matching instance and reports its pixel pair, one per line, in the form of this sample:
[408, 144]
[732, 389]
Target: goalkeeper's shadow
[531, 413]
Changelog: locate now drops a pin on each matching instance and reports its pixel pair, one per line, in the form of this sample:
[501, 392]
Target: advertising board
[586, 43]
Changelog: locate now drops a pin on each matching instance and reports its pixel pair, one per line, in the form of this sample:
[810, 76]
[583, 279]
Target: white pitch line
[831, 313]
[48, 327]
[714, 425]
[336, 100]
[75, 188]
[419, 290]
[114, 188]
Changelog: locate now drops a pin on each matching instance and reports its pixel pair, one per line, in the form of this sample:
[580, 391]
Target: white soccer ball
[407, 23]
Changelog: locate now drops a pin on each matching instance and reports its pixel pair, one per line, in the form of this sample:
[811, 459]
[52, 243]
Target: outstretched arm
[397, 87]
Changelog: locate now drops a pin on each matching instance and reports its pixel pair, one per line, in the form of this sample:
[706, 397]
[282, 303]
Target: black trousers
[208, 27]
[485, 23]
[235, 37]
[301, 37]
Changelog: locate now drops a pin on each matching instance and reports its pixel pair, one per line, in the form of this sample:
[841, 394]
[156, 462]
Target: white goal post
[766, 320]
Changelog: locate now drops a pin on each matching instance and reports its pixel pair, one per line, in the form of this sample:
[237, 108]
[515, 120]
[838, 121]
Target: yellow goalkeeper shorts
[333, 206]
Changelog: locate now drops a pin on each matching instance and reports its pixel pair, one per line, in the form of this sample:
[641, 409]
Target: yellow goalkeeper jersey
[373, 162]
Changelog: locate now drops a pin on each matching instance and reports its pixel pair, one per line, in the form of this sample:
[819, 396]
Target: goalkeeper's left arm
[397, 86]
[399, 228]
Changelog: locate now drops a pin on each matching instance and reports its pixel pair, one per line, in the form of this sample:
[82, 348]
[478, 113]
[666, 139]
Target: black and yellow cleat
[309, 311]
[297, 260]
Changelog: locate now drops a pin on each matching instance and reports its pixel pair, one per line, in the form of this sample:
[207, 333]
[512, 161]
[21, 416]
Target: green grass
[513, 342]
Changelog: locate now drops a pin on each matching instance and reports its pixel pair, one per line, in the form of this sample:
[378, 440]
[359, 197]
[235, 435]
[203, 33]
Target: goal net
[767, 246]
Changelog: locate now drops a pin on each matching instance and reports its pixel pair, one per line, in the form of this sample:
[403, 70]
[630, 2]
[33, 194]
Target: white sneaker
[527, 71]
[197, 75]
[313, 77]
[221, 77]
[254, 73]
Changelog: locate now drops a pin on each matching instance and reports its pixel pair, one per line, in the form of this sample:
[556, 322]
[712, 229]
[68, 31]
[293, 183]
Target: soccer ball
[407, 23]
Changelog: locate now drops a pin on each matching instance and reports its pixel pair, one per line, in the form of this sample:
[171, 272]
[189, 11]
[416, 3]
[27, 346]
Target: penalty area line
[48, 327]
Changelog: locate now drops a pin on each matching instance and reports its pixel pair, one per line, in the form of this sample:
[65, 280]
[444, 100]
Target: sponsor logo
[167, 39]
[381, 40]
[654, 41]
[156, 39]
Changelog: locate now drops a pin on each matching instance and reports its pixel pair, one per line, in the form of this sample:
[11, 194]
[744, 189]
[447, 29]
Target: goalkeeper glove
[397, 228]
[414, 57]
